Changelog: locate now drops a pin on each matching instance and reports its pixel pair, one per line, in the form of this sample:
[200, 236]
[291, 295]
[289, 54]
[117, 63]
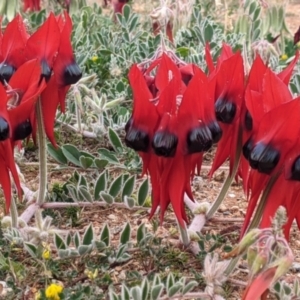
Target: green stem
[13, 213]
[229, 179]
[42, 154]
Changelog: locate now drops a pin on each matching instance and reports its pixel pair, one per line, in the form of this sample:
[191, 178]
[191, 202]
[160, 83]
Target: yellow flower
[298, 44]
[91, 275]
[284, 57]
[46, 253]
[53, 291]
[94, 58]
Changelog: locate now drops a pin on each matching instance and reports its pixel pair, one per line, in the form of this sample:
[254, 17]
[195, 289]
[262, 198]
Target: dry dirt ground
[233, 208]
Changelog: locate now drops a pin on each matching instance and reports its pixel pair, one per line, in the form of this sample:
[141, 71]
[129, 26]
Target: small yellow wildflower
[46, 253]
[94, 58]
[298, 44]
[91, 275]
[284, 57]
[53, 291]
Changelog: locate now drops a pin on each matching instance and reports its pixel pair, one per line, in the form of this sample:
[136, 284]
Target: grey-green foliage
[156, 289]
[284, 291]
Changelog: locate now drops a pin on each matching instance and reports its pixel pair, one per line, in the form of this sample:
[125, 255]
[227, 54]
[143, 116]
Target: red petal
[260, 284]
[44, 43]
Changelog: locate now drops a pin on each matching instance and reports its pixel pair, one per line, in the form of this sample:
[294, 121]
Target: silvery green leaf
[85, 162]
[188, 287]
[143, 192]
[31, 249]
[59, 242]
[106, 197]
[116, 186]
[128, 186]
[125, 294]
[156, 291]
[105, 235]
[129, 202]
[170, 281]
[100, 246]
[136, 293]
[84, 249]
[174, 289]
[121, 251]
[63, 253]
[100, 185]
[72, 154]
[140, 233]
[145, 289]
[88, 235]
[125, 234]
[115, 140]
[77, 239]
[84, 194]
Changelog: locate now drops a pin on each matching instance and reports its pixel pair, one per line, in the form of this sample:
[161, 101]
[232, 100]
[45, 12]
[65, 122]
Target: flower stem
[13, 213]
[184, 235]
[42, 154]
[229, 179]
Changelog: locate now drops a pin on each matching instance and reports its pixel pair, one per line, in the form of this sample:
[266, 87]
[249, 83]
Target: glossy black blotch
[4, 129]
[199, 139]
[22, 131]
[247, 148]
[295, 172]
[225, 110]
[46, 70]
[72, 74]
[248, 121]
[164, 143]
[135, 138]
[216, 131]
[6, 72]
[264, 158]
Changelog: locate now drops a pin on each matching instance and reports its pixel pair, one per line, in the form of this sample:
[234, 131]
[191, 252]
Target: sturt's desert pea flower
[172, 123]
[37, 67]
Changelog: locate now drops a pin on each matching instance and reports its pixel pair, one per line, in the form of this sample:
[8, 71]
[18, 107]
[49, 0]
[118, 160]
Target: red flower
[268, 101]
[172, 123]
[17, 103]
[12, 44]
[229, 92]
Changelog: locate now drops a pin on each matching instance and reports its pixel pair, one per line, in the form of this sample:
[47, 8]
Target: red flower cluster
[271, 143]
[172, 124]
[41, 64]
[179, 112]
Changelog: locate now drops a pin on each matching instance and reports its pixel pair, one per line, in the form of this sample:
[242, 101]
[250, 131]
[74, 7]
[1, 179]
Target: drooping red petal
[43, 44]
[13, 42]
[50, 100]
[260, 284]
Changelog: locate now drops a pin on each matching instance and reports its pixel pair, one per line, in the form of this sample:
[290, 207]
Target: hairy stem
[42, 154]
[184, 235]
[13, 213]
